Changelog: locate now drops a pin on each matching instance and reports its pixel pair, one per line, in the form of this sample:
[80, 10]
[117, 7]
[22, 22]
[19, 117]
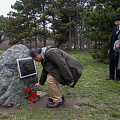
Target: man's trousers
[54, 89]
[113, 67]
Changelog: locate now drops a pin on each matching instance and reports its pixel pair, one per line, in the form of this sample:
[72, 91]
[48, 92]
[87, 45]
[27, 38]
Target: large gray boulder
[12, 88]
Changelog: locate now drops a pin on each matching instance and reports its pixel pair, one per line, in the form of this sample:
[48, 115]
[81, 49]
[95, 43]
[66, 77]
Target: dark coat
[60, 65]
[114, 37]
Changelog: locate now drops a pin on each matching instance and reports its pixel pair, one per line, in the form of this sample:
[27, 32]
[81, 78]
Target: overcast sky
[5, 6]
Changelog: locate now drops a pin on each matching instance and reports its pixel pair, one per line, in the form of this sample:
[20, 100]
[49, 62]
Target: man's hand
[117, 46]
[37, 85]
[71, 84]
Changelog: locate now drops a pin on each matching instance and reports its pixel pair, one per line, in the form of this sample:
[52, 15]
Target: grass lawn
[1, 52]
[103, 96]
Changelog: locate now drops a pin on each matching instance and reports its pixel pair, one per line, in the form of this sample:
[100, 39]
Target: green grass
[104, 95]
[1, 52]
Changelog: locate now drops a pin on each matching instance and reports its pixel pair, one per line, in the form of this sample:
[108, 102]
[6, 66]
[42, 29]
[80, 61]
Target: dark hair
[34, 51]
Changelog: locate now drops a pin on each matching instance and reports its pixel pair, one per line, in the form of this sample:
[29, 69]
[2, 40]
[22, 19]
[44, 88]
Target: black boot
[117, 80]
[110, 78]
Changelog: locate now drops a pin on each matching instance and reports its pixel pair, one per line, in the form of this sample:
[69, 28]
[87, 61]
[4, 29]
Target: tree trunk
[35, 41]
[87, 44]
[82, 27]
[44, 38]
[30, 45]
[70, 43]
[76, 33]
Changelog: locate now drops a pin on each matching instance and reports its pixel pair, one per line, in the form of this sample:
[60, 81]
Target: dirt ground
[41, 104]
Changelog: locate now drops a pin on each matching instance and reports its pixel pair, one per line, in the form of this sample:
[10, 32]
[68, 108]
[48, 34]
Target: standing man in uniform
[113, 56]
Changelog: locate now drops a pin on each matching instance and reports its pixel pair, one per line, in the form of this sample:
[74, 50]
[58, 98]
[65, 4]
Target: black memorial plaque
[26, 67]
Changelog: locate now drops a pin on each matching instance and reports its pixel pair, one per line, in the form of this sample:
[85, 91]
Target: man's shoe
[51, 100]
[117, 80]
[55, 105]
[110, 78]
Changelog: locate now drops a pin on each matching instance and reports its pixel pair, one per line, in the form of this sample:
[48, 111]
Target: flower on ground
[29, 99]
[27, 90]
[34, 100]
[38, 96]
[32, 97]
[31, 94]
[35, 95]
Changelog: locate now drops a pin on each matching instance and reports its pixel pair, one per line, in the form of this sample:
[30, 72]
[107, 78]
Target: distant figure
[58, 67]
[114, 56]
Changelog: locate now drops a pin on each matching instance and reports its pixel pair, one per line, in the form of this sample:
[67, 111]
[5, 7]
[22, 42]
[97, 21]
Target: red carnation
[31, 94]
[38, 96]
[35, 95]
[27, 90]
[29, 99]
[34, 100]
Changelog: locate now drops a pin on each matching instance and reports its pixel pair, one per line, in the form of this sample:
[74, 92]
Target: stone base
[41, 93]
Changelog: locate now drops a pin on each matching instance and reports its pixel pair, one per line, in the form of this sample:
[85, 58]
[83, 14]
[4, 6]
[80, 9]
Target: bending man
[58, 67]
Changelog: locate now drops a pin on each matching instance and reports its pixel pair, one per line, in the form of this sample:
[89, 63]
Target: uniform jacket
[114, 37]
[60, 65]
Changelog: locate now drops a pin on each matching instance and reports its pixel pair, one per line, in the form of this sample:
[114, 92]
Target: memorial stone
[12, 88]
